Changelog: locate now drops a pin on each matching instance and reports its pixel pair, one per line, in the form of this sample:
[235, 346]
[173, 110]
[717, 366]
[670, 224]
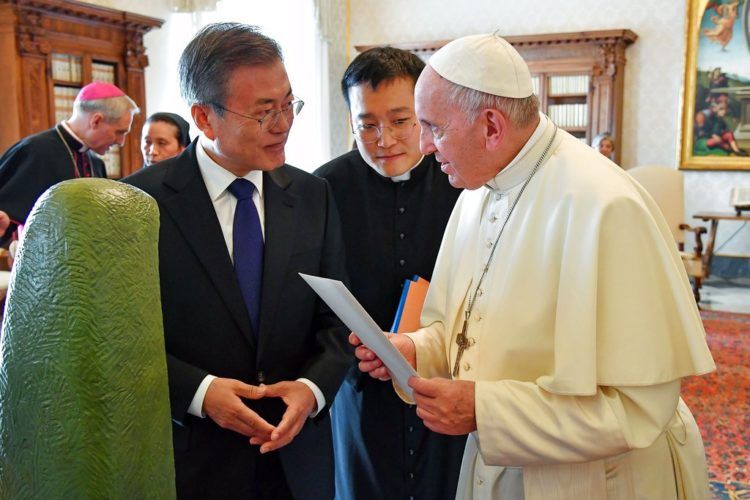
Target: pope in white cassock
[559, 321]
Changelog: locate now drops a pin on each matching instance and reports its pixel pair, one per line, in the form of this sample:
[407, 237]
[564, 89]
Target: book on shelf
[740, 199]
[569, 115]
[67, 68]
[64, 98]
[103, 72]
[568, 84]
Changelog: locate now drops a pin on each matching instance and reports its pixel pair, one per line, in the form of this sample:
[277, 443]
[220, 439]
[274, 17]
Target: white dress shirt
[217, 180]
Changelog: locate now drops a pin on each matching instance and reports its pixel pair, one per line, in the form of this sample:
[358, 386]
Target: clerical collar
[82, 145]
[397, 178]
[519, 167]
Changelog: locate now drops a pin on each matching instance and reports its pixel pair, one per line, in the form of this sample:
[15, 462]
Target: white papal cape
[581, 332]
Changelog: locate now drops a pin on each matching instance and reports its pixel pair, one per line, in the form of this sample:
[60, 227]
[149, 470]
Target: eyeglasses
[271, 118]
[399, 129]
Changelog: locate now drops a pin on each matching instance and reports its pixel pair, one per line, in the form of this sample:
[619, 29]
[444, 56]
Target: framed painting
[716, 98]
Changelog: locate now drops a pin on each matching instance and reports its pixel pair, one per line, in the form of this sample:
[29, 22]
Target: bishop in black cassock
[35, 163]
[39, 161]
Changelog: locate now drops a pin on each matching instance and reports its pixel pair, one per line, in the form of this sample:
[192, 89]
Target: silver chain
[507, 217]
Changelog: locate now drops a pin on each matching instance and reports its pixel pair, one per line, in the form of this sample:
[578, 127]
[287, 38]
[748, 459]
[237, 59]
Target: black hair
[380, 64]
[216, 51]
[183, 127]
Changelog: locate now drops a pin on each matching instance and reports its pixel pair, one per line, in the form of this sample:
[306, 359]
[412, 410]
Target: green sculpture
[84, 402]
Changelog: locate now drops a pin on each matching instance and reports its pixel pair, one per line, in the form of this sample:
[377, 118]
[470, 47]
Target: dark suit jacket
[207, 327]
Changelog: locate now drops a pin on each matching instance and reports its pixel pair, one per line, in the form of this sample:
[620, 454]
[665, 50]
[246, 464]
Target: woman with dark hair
[164, 136]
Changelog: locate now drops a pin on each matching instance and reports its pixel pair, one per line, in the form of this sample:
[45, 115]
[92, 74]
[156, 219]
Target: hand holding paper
[371, 364]
[354, 316]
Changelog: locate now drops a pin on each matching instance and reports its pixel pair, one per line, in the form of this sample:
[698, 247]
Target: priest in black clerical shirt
[394, 205]
[102, 115]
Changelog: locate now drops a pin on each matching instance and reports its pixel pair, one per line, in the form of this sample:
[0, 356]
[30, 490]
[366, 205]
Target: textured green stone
[84, 403]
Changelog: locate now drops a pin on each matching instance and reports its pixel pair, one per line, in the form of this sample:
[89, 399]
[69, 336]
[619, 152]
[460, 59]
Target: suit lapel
[279, 239]
[193, 212]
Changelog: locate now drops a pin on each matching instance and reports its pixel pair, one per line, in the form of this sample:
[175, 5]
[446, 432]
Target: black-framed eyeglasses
[271, 118]
[399, 129]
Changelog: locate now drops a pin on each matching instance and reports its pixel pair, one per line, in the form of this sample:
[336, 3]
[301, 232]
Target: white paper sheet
[350, 311]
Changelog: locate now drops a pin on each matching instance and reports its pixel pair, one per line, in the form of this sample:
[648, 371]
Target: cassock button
[472, 341]
[401, 210]
[402, 236]
[261, 377]
[411, 475]
[489, 243]
[480, 481]
[402, 262]
[411, 428]
[467, 367]
[493, 218]
[411, 452]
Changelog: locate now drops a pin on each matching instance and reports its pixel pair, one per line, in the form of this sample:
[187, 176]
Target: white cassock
[582, 330]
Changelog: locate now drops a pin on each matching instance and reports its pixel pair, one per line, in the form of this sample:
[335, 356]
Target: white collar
[517, 171]
[397, 178]
[69, 130]
[217, 178]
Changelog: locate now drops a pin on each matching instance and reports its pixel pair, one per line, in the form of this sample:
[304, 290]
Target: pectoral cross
[463, 342]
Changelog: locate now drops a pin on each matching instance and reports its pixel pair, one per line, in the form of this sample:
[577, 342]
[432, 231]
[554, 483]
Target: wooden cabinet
[49, 49]
[578, 77]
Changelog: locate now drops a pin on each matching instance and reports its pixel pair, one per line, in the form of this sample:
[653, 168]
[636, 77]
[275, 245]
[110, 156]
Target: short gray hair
[113, 108]
[520, 112]
[216, 51]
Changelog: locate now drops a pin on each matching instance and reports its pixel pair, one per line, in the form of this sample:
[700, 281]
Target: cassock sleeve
[520, 424]
[26, 171]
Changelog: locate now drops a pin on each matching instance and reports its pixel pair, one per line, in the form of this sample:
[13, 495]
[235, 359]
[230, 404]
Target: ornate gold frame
[689, 161]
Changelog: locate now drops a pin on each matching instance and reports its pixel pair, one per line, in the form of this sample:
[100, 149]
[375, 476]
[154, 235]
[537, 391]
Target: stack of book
[410, 305]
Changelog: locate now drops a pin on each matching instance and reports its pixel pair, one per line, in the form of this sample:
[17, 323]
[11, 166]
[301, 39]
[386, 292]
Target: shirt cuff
[196, 405]
[319, 398]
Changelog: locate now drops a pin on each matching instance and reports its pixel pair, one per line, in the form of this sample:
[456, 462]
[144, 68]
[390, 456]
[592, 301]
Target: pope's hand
[370, 363]
[445, 406]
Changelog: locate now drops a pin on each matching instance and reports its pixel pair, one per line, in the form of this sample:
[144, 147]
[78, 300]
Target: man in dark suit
[248, 345]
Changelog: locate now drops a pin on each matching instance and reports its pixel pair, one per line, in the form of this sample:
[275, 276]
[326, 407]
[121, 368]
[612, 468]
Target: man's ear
[95, 120]
[204, 117]
[495, 126]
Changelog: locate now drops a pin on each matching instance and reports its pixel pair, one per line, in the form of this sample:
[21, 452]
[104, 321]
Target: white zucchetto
[486, 63]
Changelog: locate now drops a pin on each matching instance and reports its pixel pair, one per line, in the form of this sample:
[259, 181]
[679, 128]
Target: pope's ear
[495, 126]
[204, 117]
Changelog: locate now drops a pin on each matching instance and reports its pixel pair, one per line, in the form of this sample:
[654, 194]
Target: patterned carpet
[720, 402]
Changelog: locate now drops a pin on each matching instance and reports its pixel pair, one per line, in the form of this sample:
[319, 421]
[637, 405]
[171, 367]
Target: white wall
[653, 83]
[653, 78]
[307, 147]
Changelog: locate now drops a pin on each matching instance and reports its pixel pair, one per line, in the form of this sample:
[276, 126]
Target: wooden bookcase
[578, 77]
[49, 49]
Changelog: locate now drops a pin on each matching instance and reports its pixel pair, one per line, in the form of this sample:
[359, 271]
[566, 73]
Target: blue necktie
[247, 241]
